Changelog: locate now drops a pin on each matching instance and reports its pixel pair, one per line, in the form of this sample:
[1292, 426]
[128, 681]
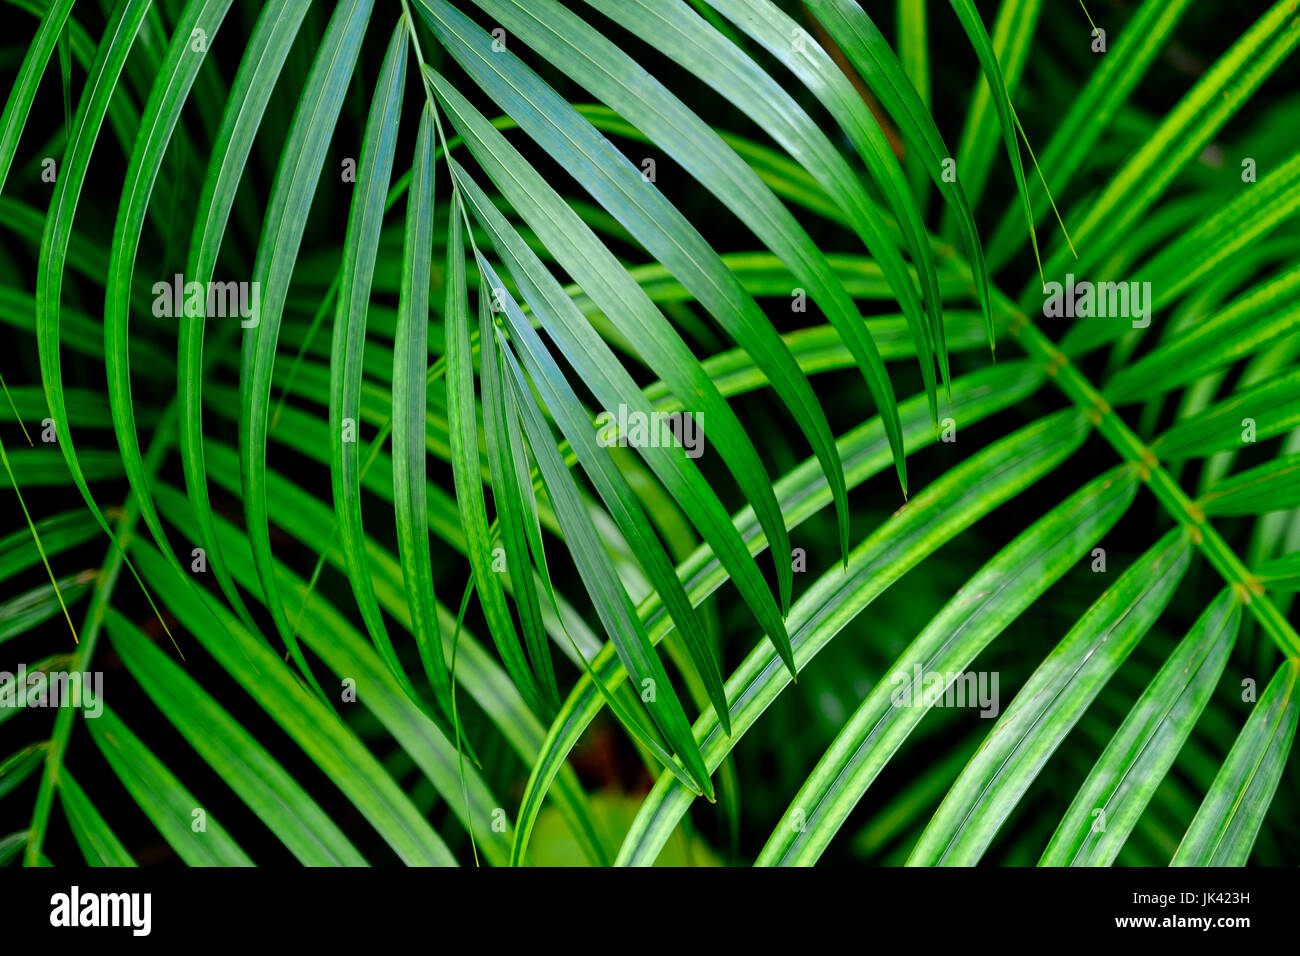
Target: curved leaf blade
[1108, 805]
[1228, 821]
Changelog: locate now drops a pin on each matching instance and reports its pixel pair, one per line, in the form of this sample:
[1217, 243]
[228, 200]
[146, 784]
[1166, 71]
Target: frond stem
[1087, 397]
[105, 582]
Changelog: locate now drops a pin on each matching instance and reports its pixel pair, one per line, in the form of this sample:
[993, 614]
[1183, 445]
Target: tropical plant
[458, 473]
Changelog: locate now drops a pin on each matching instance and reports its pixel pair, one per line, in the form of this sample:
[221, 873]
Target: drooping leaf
[1228, 821]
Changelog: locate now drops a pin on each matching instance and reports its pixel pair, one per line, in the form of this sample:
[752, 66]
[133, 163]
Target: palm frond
[715, 213]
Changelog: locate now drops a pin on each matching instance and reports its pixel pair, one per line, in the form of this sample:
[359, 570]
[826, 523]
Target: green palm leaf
[710, 213]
